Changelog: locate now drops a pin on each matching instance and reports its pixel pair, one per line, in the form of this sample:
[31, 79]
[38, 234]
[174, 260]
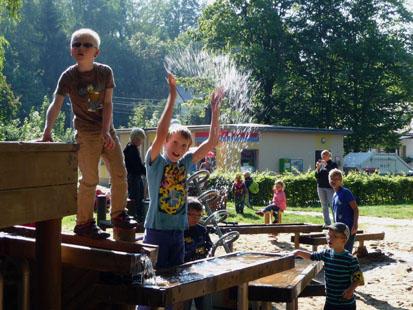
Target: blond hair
[279, 181]
[86, 32]
[182, 130]
[326, 152]
[335, 173]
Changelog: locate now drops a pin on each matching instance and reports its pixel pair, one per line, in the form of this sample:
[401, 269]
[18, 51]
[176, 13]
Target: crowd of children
[172, 222]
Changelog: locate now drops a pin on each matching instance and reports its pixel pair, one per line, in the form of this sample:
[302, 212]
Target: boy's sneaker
[90, 230]
[260, 213]
[123, 221]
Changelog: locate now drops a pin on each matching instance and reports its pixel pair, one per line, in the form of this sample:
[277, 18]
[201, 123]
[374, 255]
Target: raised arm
[51, 116]
[213, 137]
[165, 120]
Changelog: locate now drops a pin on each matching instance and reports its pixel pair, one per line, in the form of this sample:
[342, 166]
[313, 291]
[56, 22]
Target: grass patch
[68, 223]
[249, 216]
[394, 211]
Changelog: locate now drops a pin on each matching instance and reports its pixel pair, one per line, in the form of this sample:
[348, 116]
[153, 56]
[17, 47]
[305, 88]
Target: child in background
[279, 201]
[90, 87]
[248, 196]
[239, 189]
[166, 174]
[344, 206]
[342, 269]
[197, 246]
[136, 171]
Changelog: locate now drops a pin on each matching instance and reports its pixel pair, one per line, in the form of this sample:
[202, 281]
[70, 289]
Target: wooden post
[122, 234]
[268, 217]
[293, 305]
[297, 240]
[242, 303]
[49, 265]
[1, 285]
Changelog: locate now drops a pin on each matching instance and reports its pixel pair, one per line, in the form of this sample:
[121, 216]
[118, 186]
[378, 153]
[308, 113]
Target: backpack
[254, 187]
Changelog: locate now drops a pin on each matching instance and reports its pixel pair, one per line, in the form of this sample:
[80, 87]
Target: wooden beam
[29, 205]
[75, 255]
[29, 165]
[108, 244]
[270, 229]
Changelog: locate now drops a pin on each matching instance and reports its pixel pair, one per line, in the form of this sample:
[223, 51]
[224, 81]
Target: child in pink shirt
[279, 201]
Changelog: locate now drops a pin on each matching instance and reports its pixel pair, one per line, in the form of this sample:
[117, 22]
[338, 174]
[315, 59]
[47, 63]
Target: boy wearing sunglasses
[90, 87]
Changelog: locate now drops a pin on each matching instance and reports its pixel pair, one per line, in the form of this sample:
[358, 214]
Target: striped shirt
[338, 271]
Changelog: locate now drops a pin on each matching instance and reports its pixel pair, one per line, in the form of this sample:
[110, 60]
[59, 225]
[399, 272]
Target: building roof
[261, 128]
[356, 159]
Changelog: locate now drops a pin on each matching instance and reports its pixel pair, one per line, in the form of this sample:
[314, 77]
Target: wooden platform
[38, 183]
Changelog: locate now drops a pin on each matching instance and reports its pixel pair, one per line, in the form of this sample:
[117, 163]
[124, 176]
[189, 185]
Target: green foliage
[323, 64]
[32, 127]
[137, 119]
[301, 189]
[8, 103]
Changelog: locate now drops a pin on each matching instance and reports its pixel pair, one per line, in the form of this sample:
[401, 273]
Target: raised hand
[217, 97]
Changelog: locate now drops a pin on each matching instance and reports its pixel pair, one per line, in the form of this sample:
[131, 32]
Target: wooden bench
[318, 239]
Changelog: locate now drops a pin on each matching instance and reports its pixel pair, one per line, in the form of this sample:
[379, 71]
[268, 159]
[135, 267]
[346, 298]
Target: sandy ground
[387, 268]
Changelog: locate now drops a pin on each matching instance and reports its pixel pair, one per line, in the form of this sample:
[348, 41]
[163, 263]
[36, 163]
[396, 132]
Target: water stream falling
[237, 106]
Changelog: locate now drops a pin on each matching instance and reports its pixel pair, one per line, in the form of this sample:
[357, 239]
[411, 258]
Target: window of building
[249, 160]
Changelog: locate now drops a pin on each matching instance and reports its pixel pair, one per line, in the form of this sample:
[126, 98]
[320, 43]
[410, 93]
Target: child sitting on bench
[279, 201]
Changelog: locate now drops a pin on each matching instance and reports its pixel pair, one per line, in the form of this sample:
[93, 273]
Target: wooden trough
[286, 286]
[198, 278]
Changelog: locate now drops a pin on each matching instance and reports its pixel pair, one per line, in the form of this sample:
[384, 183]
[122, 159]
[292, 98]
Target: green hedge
[301, 189]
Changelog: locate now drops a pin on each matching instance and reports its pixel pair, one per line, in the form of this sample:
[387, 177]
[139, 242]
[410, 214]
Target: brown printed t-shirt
[87, 93]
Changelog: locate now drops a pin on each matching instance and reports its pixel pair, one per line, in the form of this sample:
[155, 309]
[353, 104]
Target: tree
[8, 103]
[31, 128]
[353, 69]
[342, 64]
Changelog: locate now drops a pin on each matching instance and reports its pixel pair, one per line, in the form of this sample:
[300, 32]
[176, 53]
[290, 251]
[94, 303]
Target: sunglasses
[85, 45]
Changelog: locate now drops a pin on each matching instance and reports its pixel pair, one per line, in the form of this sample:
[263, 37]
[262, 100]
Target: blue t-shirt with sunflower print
[167, 192]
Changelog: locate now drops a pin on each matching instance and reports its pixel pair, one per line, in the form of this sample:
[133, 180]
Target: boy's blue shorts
[171, 246]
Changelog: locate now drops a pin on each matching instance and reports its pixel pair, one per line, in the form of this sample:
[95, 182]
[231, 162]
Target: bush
[301, 189]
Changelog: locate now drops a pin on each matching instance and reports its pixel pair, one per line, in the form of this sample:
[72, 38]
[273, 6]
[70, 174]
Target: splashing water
[219, 70]
[239, 87]
[205, 269]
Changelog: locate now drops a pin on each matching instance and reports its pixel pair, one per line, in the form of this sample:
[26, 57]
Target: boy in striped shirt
[341, 269]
